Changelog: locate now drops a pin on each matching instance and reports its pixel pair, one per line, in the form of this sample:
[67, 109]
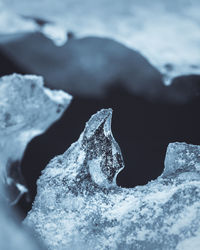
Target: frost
[182, 158]
[166, 32]
[79, 206]
[27, 109]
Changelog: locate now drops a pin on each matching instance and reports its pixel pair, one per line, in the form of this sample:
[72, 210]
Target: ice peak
[104, 157]
[90, 164]
[101, 119]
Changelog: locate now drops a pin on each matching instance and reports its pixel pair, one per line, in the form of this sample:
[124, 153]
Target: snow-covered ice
[79, 206]
[27, 109]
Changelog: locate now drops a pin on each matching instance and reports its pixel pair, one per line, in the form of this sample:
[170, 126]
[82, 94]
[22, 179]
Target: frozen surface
[79, 206]
[185, 158]
[27, 109]
[13, 235]
[165, 32]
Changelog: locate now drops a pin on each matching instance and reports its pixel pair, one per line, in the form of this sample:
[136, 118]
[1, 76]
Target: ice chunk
[79, 206]
[182, 157]
[169, 39]
[27, 109]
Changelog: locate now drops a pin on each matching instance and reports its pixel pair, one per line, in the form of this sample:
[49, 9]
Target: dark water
[143, 128]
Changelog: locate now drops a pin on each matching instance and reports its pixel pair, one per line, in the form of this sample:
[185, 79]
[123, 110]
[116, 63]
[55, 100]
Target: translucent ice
[182, 158]
[79, 206]
[166, 32]
[27, 109]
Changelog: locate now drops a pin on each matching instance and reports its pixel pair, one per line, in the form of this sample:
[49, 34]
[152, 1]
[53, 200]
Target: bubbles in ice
[79, 206]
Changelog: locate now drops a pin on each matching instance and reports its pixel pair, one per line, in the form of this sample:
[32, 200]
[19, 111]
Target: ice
[165, 32]
[13, 235]
[13, 26]
[79, 206]
[182, 158]
[27, 109]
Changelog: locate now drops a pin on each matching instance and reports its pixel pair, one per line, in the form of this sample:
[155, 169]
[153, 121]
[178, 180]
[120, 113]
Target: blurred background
[102, 72]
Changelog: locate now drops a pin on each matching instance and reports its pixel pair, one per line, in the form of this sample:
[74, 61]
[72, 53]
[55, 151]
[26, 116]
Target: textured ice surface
[166, 32]
[79, 206]
[27, 109]
[185, 158]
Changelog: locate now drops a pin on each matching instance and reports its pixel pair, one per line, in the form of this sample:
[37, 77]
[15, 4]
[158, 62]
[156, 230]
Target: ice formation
[79, 206]
[27, 109]
[166, 32]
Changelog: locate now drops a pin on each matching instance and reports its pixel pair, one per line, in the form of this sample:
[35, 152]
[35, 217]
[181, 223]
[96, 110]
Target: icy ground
[27, 109]
[165, 32]
[12, 234]
[79, 206]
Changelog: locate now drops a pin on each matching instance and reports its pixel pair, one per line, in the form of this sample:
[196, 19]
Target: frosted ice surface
[181, 158]
[27, 109]
[166, 32]
[79, 206]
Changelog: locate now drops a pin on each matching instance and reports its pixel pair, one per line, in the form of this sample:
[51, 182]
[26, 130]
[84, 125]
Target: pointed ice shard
[27, 109]
[92, 162]
[103, 157]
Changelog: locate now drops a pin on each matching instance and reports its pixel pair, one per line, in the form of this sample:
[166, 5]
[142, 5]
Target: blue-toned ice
[79, 206]
[27, 109]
